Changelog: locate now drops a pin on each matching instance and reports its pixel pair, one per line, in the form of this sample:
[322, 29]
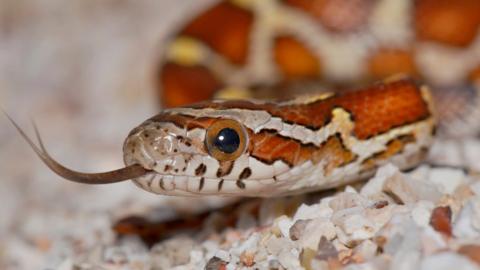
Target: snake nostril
[162, 145]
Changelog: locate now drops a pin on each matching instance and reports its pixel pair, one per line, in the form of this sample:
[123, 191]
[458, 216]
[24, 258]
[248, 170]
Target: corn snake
[287, 45]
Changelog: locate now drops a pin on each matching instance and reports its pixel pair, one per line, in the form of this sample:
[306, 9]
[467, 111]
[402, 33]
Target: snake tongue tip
[122, 174]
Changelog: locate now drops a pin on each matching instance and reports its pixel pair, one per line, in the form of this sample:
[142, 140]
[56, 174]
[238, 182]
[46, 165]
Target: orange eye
[226, 140]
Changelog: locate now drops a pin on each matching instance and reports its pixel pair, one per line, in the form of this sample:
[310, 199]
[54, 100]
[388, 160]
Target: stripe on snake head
[245, 173]
[201, 169]
[225, 167]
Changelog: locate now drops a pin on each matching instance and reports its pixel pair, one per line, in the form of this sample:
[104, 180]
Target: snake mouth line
[119, 175]
[195, 185]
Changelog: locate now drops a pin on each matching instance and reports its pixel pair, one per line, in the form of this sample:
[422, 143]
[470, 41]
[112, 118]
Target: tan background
[83, 70]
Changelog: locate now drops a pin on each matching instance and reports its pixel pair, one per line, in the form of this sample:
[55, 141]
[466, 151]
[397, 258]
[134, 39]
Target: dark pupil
[227, 140]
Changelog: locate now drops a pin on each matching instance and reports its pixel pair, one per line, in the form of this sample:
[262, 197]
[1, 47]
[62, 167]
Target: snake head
[201, 155]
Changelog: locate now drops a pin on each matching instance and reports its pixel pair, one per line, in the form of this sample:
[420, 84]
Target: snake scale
[291, 96]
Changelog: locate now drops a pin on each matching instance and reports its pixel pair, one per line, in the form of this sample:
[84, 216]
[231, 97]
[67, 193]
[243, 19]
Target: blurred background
[83, 70]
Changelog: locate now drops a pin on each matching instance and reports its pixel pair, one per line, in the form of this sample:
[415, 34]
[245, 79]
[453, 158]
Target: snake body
[281, 48]
[287, 147]
[305, 53]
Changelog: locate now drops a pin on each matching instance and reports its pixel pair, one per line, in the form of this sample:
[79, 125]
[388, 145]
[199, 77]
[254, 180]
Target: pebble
[297, 229]
[408, 252]
[421, 213]
[284, 224]
[366, 250]
[441, 220]
[433, 241]
[223, 255]
[172, 252]
[374, 187]
[326, 250]
[355, 225]
[471, 251]
[315, 230]
[345, 200]
[447, 261]
[410, 190]
[313, 211]
[214, 264]
[447, 180]
[466, 224]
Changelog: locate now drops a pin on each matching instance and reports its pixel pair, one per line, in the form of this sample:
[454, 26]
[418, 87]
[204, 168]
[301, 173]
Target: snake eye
[226, 139]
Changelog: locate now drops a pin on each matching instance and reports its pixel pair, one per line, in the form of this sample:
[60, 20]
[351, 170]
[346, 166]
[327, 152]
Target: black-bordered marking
[201, 184]
[245, 173]
[240, 184]
[201, 169]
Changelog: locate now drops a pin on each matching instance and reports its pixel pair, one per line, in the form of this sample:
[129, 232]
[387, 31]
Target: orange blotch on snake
[453, 22]
[295, 60]
[270, 147]
[475, 74]
[333, 153]
[181, 85]
[375, 110]
[381, 107]
[225, 28]
[387, 62]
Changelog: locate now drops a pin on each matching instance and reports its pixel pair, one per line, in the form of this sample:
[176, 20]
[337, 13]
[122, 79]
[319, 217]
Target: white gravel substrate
[395, 221]
[385, 224]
